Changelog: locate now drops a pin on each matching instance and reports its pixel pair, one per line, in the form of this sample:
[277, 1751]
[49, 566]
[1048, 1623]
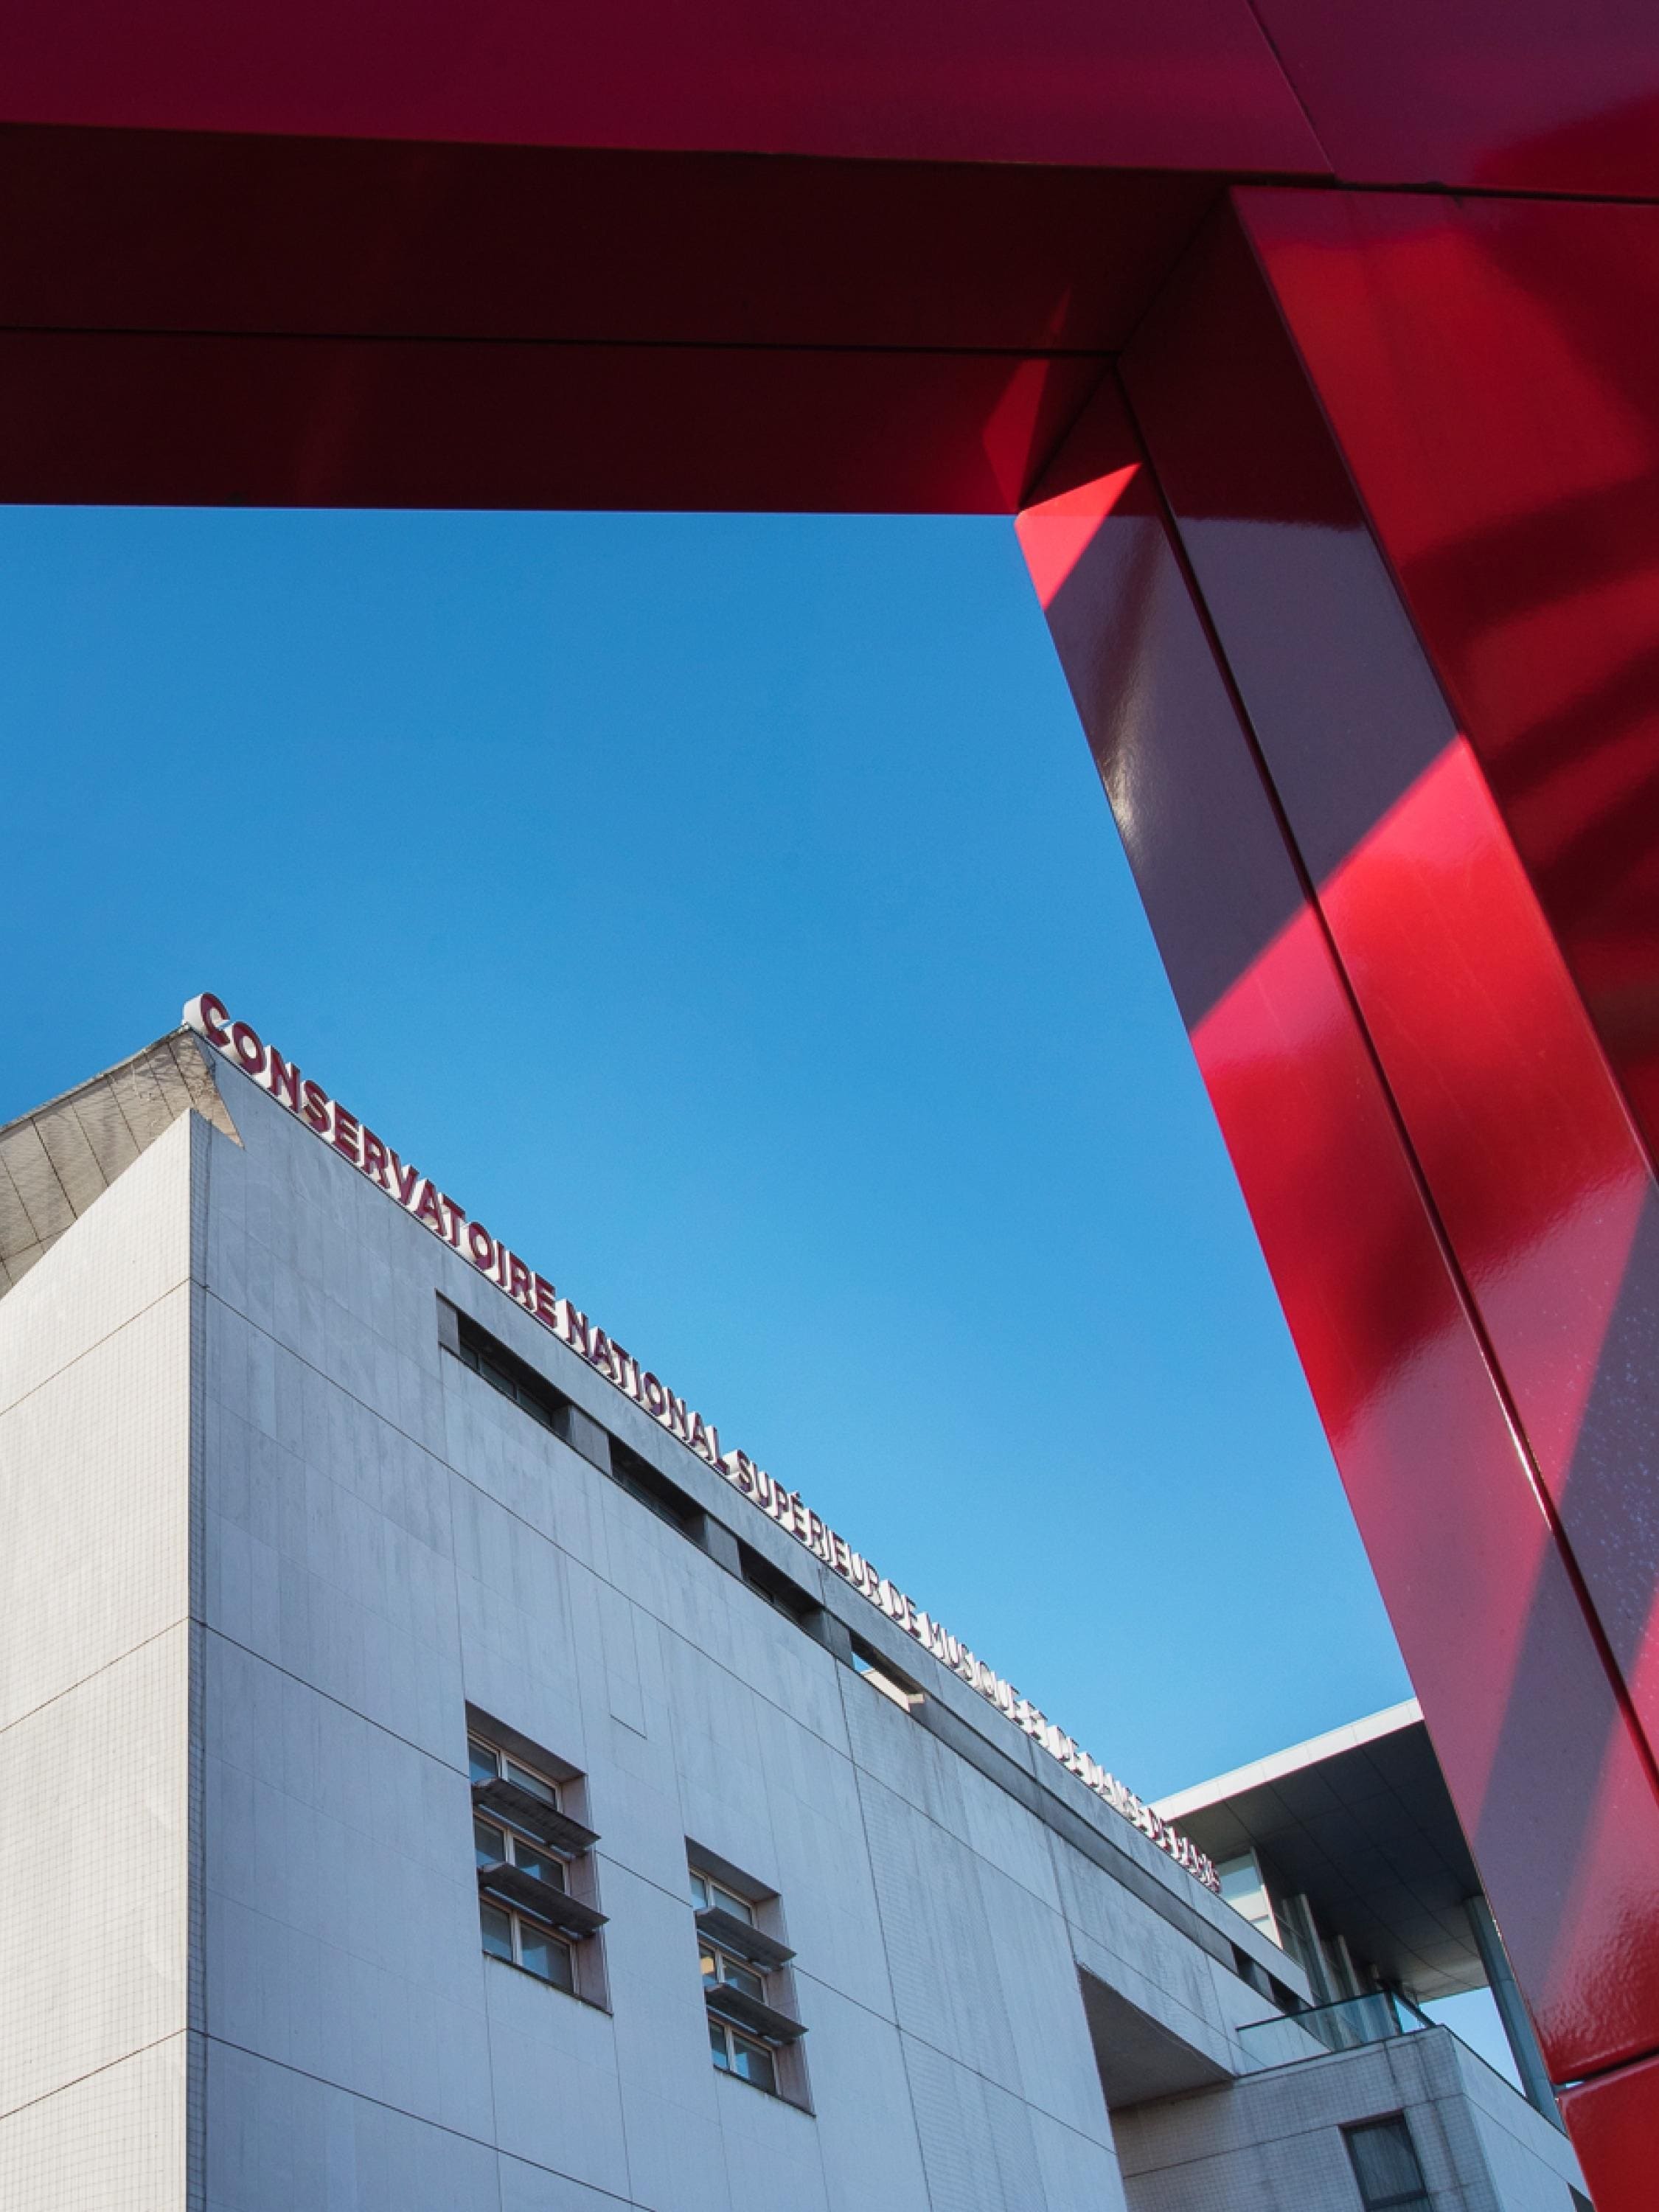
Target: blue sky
[725, 910]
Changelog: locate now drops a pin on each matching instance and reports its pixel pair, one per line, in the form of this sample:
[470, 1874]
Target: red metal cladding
[326, 423]
[1614, 2126]
[1547, 1775]
[1540, 1182]
[1191, 84]
[1487, 369]
[195, 232]
[1545, 96]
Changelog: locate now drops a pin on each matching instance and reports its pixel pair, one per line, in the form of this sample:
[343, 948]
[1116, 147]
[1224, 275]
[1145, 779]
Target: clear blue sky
[726, 911]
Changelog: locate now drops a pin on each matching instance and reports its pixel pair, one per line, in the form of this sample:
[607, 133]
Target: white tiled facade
[264, 1542]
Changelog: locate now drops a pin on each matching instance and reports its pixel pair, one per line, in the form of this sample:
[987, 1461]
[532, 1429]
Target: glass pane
[717, 2047]
[753, 2064]
[533, 1783]
[700, 1893]
[542, 1864]
[543, 1954]
[741, 1978]
[489, 1845]
[708, 1960]
[1384, 2162]
[497, 1932]
[728, 1903]
[485, 1763]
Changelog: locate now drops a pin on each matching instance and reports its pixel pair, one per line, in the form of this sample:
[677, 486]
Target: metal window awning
[523, 1893]
[533, 1816]
[742, 1939]
[761, 2021]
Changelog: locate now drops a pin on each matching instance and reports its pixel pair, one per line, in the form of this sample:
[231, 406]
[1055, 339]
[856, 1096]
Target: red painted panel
[1545, 96]
[140, 230]
[321, 423]
[1190, 84]
[1614, 2126]
[1545, 1772]
[1543, 1188]
[1488, 369]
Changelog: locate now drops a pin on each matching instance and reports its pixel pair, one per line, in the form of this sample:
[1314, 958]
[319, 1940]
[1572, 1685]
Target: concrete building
[436, 1777]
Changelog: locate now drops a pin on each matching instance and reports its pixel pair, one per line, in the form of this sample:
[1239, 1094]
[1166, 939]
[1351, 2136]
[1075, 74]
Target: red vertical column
[1483, 370]
[1437, 1156]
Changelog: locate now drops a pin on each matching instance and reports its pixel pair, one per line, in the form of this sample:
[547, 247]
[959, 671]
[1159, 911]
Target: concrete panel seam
[69, 1689]
[122, 2058]
[68, 1366]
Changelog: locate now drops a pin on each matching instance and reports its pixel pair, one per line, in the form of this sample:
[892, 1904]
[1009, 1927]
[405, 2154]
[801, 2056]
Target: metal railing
[1377, 2017]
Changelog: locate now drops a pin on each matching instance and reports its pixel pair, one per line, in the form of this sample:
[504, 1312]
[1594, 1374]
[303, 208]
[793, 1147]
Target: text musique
[418, 1194]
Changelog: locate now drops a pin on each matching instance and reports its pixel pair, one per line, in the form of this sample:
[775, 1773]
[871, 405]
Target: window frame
[1419, 2199]
[517, 1923]
[514, 1841]
[510, 1767]
[719, 1898]
[766, 1981]
[730, 1969]
[733, 2040]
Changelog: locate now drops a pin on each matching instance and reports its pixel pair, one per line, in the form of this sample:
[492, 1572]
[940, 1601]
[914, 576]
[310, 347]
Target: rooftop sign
[418, 1194]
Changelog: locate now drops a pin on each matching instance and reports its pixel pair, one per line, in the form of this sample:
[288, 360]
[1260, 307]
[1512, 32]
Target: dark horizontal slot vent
[775, 1587]
[513, 1377]
[641, 1480]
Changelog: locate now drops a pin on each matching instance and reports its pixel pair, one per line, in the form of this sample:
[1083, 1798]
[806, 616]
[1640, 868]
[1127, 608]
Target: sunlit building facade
[435, 1775]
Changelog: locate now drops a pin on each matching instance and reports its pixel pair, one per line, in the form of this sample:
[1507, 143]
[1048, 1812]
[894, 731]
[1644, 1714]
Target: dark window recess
[1248, 1971]
[533, 1860]
[1385, 2166]
[641, 1480]
[752, 2029]
[774, 1586]
[509, 1375]
[1282, 1995]
[504, 1371]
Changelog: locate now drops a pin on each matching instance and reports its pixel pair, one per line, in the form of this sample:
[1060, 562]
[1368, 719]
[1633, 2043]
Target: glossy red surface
[1487, 367]
[1541, 95]
[1542, 1185]
[1190, 84]
[347, 423]
[1500, 1648]
[1614, 2126]
[156, 231]
[278, 320]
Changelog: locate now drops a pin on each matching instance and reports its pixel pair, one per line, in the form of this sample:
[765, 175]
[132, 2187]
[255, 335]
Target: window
[1385, 2165]
[735, 2054]
[881, 1674]
[752, 2030]
[775, 1587]
[1244, 1887]
[530, 1391]
[708, 1896]
[665, 1500]
[721, 1966]
[524, 1844]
